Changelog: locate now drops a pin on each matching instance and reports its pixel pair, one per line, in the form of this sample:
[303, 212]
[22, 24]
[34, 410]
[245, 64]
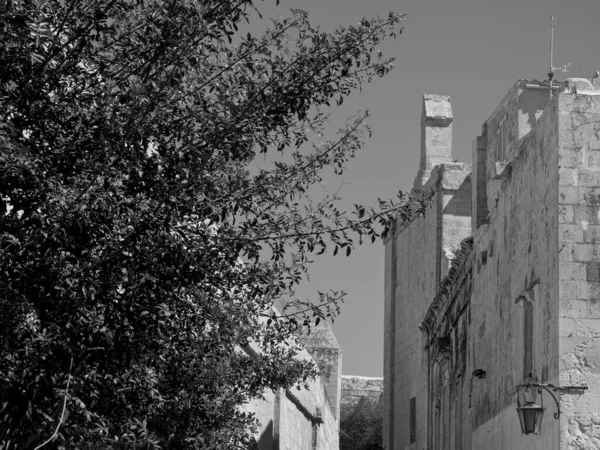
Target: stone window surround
[525, 348]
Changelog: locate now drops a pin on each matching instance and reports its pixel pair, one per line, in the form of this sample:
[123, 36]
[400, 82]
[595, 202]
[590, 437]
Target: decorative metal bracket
[549, 388]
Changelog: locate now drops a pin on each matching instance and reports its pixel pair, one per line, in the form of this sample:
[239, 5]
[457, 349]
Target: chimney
[436, 135]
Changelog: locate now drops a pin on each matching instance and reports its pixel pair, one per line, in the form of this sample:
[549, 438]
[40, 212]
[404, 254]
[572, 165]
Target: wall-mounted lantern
[530, 414]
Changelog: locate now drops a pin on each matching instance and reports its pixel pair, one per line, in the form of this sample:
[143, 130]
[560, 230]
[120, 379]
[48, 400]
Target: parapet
[582, 85]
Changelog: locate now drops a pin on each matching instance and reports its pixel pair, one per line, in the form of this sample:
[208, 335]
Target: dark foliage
[362, 427]
[139, 253]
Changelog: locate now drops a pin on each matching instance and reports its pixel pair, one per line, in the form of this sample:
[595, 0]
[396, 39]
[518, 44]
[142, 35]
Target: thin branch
[352, 225]
[62, 415]
[311, 308]
[297, 171]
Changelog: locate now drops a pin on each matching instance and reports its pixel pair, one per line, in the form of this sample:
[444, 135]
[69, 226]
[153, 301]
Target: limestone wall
[516, 261]
[446, 326]
[412, 258]
[579, 262]
[417, 258]
[300, 418]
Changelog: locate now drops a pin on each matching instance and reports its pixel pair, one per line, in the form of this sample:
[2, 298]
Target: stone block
[567, 176]
[565, 214]
[588, 290]
[589, 327]
[584, 117]
[572, 85]
[594, 308]
[585, 132]
[589, 214]
[593, 272]
[573, 308]
[568, 289]
[570, 344]
[569, 195]
[566, 137]
[570, 233]
[572, 271]
[590, 178]
[593, 159]
[586, 252]
[591, 233]
[438, 150]
[570, 157]
[567, 327]
[590, 197]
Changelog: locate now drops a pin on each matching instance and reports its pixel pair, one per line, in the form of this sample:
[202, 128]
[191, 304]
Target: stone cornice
[446, 286]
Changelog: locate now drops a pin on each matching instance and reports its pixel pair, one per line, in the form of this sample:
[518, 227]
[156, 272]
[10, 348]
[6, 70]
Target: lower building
[300, 418]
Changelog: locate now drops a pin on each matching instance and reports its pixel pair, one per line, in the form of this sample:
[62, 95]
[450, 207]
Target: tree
[139, 252]
[361, 428]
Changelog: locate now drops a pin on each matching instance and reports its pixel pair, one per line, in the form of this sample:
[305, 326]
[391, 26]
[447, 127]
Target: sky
[472, 50]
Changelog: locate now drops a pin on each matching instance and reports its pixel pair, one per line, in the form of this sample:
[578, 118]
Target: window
[413, 420]
[315, 430]
[527, 339]
[481, 180]
[502, 139]
[526, 350]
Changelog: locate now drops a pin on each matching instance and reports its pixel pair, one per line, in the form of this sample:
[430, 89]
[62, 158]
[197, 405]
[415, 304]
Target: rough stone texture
[534, 246]
[446, 327]
[579, 263]
[288, 418]
[417, 258]
[521, 245]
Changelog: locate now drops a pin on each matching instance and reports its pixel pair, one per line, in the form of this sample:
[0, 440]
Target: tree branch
[62, 415]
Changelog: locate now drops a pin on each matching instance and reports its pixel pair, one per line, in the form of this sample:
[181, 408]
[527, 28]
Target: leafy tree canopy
[139, 253]
[361, 425]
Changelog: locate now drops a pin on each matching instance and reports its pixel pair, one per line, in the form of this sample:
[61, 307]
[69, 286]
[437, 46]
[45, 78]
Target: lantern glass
[530, 417]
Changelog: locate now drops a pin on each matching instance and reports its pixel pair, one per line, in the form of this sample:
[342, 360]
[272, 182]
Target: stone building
[497, 285]
[304, 419]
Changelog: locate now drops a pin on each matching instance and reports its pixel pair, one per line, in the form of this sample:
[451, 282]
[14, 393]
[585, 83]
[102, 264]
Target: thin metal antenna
[552, 68]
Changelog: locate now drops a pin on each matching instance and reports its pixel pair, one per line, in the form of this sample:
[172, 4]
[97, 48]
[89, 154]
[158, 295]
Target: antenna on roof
[552, 68]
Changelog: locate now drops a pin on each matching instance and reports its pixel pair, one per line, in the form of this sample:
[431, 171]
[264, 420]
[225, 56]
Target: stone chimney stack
[436, 135]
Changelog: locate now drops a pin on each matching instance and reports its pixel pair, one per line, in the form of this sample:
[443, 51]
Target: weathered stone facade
[518, 300]
[304, 419]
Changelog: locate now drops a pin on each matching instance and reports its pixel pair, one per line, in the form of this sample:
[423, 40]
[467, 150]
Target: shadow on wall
[531, 104]
[265, 440]
[460, 203]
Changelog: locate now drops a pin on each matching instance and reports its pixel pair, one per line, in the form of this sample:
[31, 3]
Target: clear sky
[472, 50]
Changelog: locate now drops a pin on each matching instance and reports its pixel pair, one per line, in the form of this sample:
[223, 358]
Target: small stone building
[356, 388]
[498, 284]
[304, 419]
